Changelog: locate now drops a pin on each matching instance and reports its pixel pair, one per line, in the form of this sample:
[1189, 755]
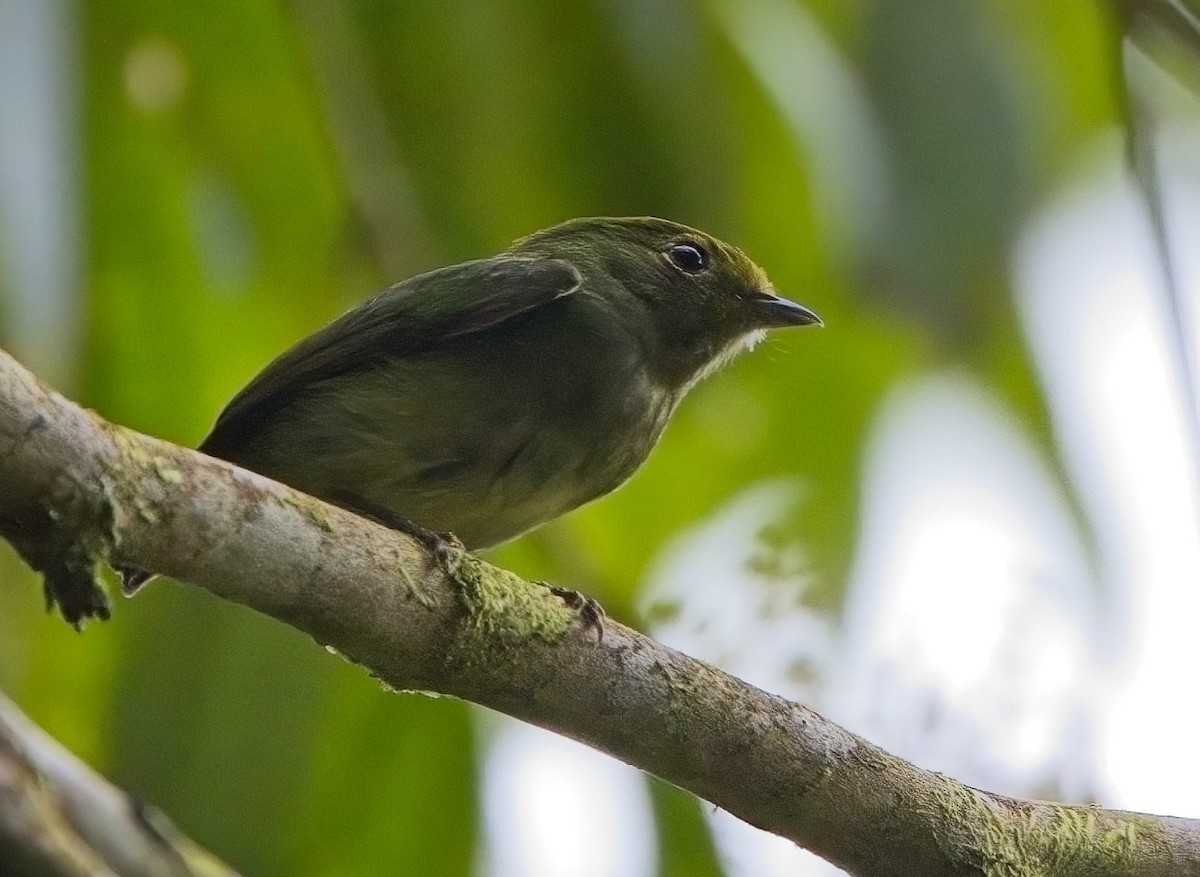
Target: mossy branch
[76, 492]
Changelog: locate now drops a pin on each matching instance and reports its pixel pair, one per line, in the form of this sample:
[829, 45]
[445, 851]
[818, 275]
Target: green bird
[489, 397]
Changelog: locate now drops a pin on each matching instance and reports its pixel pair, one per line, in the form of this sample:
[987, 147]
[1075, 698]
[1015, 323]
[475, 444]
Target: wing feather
[407, 319]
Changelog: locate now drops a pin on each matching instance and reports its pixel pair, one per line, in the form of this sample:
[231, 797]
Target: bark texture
[76, 492]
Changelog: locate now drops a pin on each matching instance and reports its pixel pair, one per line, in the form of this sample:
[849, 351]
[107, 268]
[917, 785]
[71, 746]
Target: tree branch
[58, 818]
[76, 491]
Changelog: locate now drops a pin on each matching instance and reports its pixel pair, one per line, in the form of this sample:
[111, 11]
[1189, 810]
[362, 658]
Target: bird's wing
[406, 319]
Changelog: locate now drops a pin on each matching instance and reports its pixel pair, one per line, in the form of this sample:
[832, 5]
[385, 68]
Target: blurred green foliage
[254, 167]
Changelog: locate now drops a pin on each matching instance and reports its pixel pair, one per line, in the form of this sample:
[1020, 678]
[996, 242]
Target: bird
[486, 398]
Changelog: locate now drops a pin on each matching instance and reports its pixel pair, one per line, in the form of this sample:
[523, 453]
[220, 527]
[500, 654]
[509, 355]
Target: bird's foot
[446, 548]
[132, 579]
[591, 613]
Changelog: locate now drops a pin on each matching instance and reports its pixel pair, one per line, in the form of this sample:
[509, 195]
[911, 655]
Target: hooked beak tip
[778, 312]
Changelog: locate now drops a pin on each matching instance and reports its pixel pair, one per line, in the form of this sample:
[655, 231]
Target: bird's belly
[484, 464]
[499, 489]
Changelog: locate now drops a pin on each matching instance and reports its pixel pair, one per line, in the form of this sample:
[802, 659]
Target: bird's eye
[689, 258]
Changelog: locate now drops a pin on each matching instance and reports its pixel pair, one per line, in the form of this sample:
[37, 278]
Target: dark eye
[690, 258]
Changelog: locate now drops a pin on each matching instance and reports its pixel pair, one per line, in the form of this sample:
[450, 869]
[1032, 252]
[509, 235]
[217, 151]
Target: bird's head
[697, 300]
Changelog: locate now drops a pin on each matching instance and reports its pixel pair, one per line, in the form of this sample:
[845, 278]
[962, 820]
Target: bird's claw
[447, 549]
[591, 613]
[132, 579]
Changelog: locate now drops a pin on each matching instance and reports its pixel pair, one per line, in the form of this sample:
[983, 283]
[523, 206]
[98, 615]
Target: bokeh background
[962, 520]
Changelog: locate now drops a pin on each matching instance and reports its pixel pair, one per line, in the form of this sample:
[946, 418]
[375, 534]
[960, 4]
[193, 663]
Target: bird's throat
[722, 355]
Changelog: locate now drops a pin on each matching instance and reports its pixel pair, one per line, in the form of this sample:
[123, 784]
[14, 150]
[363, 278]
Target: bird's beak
[773, 311]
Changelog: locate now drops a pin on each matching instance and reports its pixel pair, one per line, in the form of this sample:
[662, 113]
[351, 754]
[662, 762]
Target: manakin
[486, 398]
